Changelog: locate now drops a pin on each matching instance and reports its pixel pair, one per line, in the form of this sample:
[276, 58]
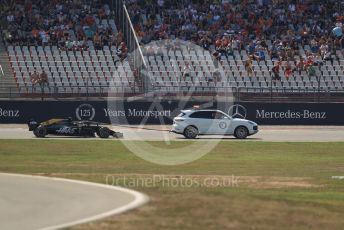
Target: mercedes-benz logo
[237, 111]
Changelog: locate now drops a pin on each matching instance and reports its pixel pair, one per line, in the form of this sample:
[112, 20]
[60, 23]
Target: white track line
[140, 199]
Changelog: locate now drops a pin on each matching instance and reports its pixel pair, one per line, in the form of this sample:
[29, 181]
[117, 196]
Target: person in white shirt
[186, 71]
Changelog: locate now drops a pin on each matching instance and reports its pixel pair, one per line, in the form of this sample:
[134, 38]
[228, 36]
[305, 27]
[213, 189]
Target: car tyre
[40, 131]
[241, 132]
[104, 132]
[190, 132]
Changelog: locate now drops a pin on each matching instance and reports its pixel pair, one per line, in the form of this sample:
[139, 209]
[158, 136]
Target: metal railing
[57, 92]
[266, 94]
[281, 94]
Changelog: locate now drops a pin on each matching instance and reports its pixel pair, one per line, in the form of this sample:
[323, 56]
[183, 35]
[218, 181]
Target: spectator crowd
[274, 27]
[277, 28]
[69, 24]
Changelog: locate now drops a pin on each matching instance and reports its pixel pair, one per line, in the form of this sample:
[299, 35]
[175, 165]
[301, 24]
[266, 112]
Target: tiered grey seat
[168, 71]
[71, 72]
[99, 71]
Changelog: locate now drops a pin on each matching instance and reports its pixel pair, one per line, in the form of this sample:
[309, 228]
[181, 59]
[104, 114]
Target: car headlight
[252, 123]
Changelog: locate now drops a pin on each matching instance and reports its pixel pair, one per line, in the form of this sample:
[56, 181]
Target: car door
[221, 124]
[202, 120]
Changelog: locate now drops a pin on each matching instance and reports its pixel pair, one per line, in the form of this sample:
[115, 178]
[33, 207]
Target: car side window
[203, 115]
[220, 116]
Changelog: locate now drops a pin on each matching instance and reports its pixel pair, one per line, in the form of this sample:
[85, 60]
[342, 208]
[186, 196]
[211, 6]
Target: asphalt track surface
[31, 202]
[156, 133]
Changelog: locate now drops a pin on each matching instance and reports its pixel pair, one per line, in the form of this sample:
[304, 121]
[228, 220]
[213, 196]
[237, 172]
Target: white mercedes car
[192, 123]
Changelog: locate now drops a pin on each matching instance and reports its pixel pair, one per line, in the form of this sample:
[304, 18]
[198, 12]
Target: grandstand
[92, 48]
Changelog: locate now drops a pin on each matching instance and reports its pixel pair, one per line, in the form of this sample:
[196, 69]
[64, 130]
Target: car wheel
[190, 132]
[40, 131]
[103, 132]
[241, 132]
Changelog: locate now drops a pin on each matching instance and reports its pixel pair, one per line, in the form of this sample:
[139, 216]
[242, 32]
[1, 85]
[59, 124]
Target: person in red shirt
[34, 78]
[300, 66]
[225, 42]
[309, 62]
[275, 71]
[35, 33]
[288, 71]
[122, 51]
[218, 43]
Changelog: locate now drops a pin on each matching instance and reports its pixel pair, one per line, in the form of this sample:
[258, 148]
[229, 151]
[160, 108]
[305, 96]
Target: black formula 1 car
[70, 128]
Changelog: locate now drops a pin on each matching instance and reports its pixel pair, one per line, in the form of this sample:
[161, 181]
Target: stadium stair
[8, 86]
